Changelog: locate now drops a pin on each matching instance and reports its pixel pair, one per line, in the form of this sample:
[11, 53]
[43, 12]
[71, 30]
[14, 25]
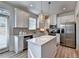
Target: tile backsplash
[35, 33]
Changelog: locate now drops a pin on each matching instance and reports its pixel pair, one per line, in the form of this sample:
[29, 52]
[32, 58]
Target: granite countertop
[41, 40]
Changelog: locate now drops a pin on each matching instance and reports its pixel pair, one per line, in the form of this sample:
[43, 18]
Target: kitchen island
[42, 47]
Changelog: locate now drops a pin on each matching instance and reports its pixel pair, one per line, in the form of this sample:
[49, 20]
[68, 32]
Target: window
[32, 23]
[3, 32]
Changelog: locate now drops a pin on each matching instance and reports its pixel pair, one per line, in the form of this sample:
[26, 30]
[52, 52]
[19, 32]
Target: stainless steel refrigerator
[68, 34]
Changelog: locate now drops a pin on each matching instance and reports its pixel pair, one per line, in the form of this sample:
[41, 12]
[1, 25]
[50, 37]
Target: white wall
[77, 25]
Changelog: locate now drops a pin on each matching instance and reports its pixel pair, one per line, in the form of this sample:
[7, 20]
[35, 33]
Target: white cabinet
[58, 38]
[21, 18]
[63, 19]
[18, 44]
[53, 20]
[42, 47]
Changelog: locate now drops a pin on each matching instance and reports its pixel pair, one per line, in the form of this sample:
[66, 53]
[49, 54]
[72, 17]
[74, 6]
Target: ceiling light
[31, 5]
[64, 8]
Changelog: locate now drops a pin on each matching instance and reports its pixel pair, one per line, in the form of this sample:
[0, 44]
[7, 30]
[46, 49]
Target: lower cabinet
[20, 43]
[46, 50]
[58, 38]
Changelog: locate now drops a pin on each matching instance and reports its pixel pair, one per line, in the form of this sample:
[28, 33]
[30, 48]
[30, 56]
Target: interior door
[4, 34]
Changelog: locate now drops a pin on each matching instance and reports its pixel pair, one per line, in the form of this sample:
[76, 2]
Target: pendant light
[41, 19]
[47, 16]
[49, 7]
[41, 15]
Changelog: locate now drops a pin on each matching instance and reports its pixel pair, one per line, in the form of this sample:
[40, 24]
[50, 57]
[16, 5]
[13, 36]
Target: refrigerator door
[68, 35]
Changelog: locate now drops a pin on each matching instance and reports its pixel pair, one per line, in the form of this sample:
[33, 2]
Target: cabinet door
[17, 18]
[20, 43]
[21, 18]
[25, 19]
[64, 19]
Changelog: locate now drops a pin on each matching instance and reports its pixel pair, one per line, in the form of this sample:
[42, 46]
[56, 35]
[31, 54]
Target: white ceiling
[56, 7]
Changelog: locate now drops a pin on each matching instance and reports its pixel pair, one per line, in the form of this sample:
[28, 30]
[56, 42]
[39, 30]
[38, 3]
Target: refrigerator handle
[62, 31]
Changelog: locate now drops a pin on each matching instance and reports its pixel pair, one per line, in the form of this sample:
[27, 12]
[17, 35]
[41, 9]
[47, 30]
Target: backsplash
[18, 29]
[35, 33]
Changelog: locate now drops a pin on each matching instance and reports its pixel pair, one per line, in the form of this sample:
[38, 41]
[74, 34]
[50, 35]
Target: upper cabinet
[67, 17]
[53, 19]
[21, 18]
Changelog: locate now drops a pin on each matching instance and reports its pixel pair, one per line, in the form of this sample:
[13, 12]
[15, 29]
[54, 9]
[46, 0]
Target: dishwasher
[25, 42]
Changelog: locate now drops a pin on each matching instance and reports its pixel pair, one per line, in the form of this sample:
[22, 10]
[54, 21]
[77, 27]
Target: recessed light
[64, 8]
[31, 5]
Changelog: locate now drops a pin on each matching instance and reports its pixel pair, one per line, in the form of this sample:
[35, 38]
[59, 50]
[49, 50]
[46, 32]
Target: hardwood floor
[20, 55]
[62, 52]
[13, 55]
[65, 52]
